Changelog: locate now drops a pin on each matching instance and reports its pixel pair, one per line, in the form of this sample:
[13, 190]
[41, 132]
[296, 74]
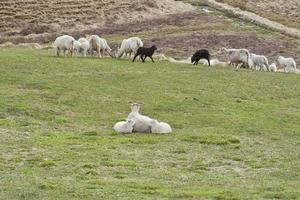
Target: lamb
[129, 46]
[77, 47]
[64, 43]
[84, 46]
[273, 67]
[142, 123]
[99, 45]
[124, 127]
[144, 52]
[260, 62]
[160, 127]
[202, 53]
[237, 57]
[287, 63]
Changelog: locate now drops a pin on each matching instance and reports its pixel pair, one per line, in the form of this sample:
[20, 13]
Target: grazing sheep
[260, 62]
[142, 123]
[237, 57]
[144, 52]
[124, 127]
[64, 43]
[287, 63]
[85, 46]
[160, 127]
[99, 45]
[273, 67]
[202, 53]
[77, 47]
[129, 46]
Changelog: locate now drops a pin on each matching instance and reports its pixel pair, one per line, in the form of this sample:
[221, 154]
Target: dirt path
[254, 18]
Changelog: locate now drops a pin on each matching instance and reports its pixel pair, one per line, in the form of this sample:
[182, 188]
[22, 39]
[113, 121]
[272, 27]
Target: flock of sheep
[242, 57]
[236, 57]
[135, 121]
[94, 45]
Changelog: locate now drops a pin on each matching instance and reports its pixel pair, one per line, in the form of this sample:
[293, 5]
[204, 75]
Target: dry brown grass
[25, 17]
[286, 12]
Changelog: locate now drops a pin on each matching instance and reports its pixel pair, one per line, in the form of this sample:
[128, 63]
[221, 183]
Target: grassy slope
[236, 133]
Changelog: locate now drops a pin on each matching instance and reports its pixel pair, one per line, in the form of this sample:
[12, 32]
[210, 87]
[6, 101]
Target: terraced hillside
[23, 17]
[286, 12]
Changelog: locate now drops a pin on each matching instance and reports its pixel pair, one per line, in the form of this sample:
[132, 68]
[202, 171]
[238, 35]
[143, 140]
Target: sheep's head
[153, 122]
[280, 57]
[135, 107]
[153, 47]
[130, 122]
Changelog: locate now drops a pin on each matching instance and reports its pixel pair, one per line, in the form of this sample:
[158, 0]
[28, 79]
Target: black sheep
[202, 53]
[144, 53]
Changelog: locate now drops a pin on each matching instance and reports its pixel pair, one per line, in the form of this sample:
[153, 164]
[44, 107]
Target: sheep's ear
[131, 102]
[140, 103]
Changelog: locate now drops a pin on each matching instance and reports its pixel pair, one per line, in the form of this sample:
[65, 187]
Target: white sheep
[64, 43]
[124, 126]
[142, 122]
[85, 46]
[99, 45]
[129, 46]
[273, 67]
[77, 47]
[160, 127]
[260, 62]
[236, 57]
[287, 63]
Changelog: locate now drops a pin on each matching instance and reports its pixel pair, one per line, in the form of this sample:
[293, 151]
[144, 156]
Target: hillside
[286, 12]
[24, 17]
[236, 133]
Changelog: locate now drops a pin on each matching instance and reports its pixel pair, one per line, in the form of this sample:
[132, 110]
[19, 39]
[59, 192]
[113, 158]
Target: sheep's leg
[99, 52]
[208, 61]
[135, 57]
[57, 51]
[151, 58]
[144, 58]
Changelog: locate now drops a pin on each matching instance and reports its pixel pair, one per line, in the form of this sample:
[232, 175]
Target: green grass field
[236, 133]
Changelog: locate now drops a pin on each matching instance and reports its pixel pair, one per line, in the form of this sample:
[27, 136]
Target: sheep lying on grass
[124, 127]
[142, 122]
[160, 127]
